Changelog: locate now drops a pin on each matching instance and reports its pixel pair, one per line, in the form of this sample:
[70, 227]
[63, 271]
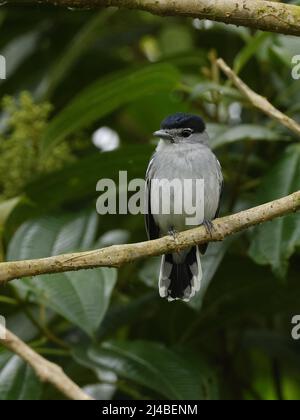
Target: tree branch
[257, 100]
[118, 255]
[259, 14]
[45, 370]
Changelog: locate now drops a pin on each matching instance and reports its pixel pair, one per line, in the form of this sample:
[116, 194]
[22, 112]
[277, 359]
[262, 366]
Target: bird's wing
[221, 181]
[152, 228]
[203, 247]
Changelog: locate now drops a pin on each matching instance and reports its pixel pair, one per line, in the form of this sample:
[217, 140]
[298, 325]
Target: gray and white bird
[183, 153]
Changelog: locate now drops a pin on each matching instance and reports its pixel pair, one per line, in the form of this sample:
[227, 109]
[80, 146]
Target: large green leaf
[243, 290]
[250, 49]
[19, 49]
[170, 374]
[77, 47]
[210, 264]
[17, 380]
[274, 243]
[81, 297]
[78, 181]
[275, 345]
[128, 313]
[222, 135]
[107, 95]
[6, 207]
[204, 89]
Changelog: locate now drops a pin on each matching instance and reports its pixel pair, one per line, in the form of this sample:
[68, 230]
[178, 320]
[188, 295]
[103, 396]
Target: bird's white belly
[205, 197]
[182, 207]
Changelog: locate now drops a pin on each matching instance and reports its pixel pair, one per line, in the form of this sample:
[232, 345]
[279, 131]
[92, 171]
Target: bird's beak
[163, 134]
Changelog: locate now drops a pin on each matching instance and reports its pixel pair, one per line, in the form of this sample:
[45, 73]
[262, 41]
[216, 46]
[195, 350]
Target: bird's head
[180, 127]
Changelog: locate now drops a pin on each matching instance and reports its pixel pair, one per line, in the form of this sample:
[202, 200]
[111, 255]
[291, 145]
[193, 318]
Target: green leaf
[18, 381]
[250, 50]
[100, 392]
[282, 54]
[241, 290]
[274, 345]
[106, 95]
[170, 374]
[77, 47]
[175, 38]
[274, 243]
[81, 297]
[210, 264]
[6, 207]
[221, 135]
[289, 44]
[53, 235]
[200, 91]
[20, 49]
[68, 185]
[127, 313]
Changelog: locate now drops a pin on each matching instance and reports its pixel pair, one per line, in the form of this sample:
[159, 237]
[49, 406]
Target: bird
[183, 152]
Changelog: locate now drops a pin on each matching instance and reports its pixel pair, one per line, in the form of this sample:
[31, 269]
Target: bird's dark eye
[186, 133]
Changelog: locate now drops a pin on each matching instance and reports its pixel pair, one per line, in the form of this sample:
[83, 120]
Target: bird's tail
[180, 275]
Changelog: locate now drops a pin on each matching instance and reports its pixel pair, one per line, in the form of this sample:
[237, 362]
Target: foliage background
[70, 72]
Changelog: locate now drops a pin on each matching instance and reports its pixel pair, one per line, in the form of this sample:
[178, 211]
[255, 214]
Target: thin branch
[259, 14]
[118, 255]
[257, 100]
[45, 370]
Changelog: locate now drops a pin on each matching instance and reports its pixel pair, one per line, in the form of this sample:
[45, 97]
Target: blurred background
[84, 90]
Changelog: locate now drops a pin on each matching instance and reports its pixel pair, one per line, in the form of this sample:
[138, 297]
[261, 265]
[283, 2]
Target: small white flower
[106, 139]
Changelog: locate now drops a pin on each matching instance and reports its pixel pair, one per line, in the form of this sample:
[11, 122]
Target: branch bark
[257, 100]
[259, 14]
[118, 255]
[45, 370]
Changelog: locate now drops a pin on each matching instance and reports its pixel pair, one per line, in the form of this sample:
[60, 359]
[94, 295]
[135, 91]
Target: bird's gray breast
[186, 162]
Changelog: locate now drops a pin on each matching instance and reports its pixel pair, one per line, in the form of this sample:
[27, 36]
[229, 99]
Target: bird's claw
[209, 226]
[172, 232]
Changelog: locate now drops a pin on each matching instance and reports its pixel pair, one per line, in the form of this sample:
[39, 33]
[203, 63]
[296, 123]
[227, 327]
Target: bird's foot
[172, 232]
[209, 226]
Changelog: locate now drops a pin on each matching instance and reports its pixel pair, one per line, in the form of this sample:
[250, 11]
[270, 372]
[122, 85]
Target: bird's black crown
[181, 120]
